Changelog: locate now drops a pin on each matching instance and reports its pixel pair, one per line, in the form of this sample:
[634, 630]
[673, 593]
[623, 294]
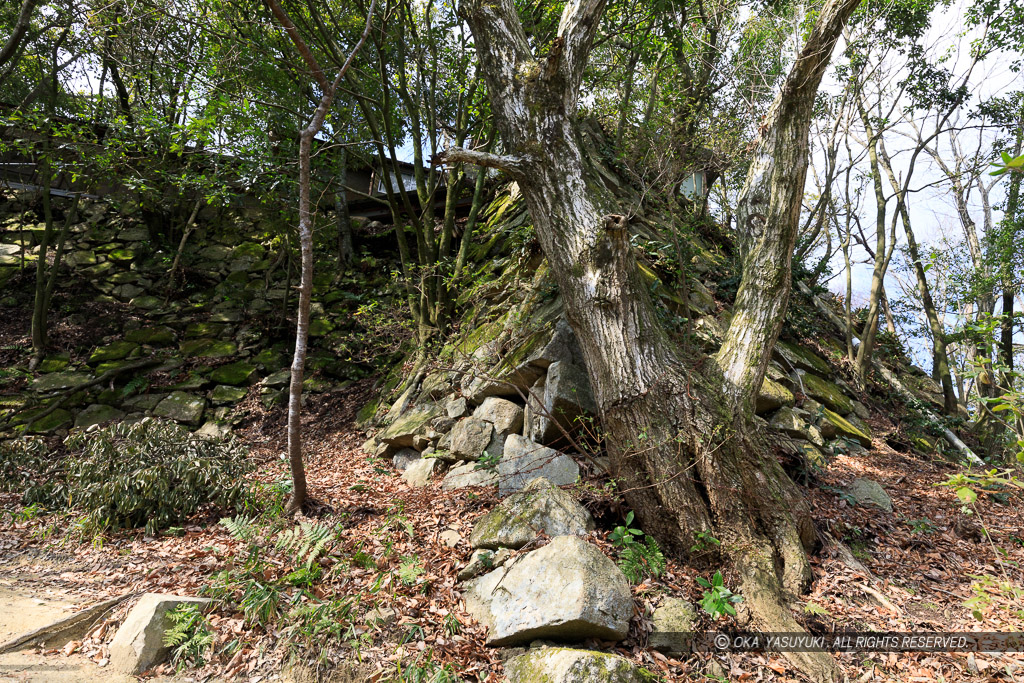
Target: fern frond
[307, 541]
[240, 527]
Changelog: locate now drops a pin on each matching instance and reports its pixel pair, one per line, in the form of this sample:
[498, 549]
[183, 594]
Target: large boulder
[772, 396]
[566, 665]
[794, 356]
[405, 457]
[506, 416]
[56, 381]
[869, 492]
[97, 414]
[233, 374]
[539, 507]
[418, 473]
[568, 590]
[470, 438]
[791, 422]
[833, 425]
[113, 351]
[524, 460]
[401, 432]
[567, 396]
[139, 643]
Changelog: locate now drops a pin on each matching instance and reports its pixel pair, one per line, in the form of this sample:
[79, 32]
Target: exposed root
[763, 594]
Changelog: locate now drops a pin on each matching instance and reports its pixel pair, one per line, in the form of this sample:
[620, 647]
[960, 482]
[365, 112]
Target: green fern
[240, 527]
[307, 541]
[410, 570]
[189, 635]
[642, 559]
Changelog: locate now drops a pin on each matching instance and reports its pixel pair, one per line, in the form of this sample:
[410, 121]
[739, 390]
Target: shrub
[151, 473]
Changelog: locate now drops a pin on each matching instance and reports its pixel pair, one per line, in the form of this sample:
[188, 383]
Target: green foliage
[425, 671]
[150, 473]
[816, 609]
[488, 461]
[307, 542]
[189, 635]
[316, 625]
[718, 600]
[703, 542]
[624, 535]
[1009, 163]
[922, 526]
[638, 560]
[410, 569]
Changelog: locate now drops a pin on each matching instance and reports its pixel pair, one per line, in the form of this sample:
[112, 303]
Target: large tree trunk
[679, 434]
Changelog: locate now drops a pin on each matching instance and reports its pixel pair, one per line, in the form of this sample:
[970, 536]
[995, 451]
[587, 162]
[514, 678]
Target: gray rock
[540, 506]
[97, 414]
[127, 291]
[791, 422]
[418, 474]
[506, 416]
[414, 421]
[405, 457]
[566, 397]
[456, 408]
[214, 430]
[223, 394]
[567, 665]
[869, 492]
[60, 380]
[468, 474]
[470, 438]
[181, 407]
[525, 460]
[437, 384]
[673, 622]
[450, 537]
[483, 561]
[139, 643]
[773, 395]
[568, 590]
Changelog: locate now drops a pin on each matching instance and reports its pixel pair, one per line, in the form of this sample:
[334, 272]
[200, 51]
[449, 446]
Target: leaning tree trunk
[680, 436]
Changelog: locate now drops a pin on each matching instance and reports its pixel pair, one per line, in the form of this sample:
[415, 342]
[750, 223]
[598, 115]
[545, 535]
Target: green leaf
[966, 495]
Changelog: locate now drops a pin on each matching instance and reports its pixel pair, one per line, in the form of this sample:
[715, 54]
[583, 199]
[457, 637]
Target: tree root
[763, 595]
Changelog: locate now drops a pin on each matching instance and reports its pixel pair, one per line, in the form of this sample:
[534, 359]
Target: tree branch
[20, 29]
[576, 32]
[514, 166]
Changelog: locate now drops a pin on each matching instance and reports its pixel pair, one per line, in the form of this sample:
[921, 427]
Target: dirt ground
[25, 607]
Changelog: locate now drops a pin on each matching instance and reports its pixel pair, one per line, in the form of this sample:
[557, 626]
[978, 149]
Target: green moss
[154, 336]
[845, 428]
[802, 358]
[828, 393]
[233, 374]
[114, 351]
[209, 348]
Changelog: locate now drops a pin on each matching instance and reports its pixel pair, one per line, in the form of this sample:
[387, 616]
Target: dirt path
[22, 611]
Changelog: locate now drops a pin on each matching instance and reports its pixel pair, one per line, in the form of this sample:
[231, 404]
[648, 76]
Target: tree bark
[680, 436]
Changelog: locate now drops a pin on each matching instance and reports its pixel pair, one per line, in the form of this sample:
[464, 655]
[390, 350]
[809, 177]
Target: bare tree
[328, 89]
